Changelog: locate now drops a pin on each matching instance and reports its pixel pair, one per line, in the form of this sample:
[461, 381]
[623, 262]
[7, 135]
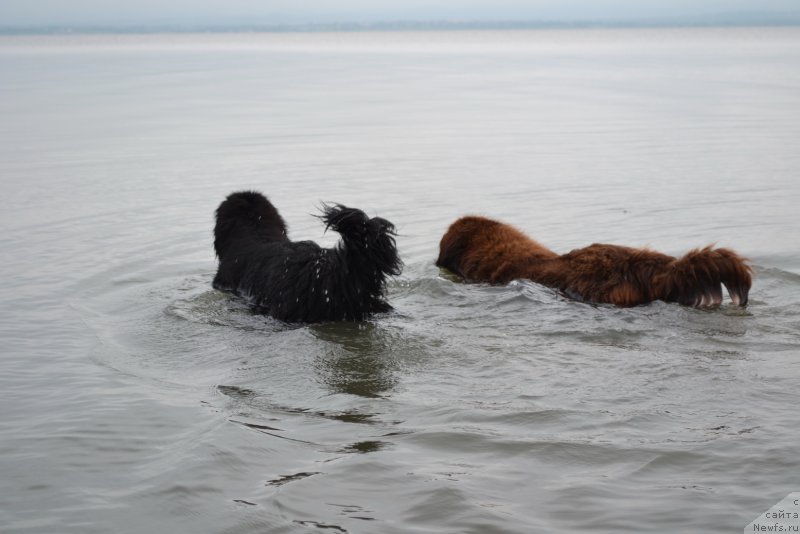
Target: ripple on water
[217, 308]
[460, 396]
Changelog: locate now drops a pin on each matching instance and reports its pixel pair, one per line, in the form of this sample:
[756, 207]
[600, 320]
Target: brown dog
[482, 250]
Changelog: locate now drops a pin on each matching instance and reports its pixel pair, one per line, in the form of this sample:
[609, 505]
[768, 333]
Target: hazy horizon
[248, 13]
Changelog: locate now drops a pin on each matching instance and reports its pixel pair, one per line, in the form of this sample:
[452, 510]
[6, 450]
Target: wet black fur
[298, 281]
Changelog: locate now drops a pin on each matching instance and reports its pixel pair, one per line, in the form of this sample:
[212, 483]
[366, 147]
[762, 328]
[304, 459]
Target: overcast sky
[276, 12]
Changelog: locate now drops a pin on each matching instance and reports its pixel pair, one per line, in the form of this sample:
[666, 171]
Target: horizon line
[736, 20]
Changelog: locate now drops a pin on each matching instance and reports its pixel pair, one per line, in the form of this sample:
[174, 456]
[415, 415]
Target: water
[137, 399]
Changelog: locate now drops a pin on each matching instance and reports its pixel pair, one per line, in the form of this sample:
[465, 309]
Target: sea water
[138, 399]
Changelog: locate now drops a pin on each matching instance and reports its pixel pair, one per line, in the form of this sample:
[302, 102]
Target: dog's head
[247, 214]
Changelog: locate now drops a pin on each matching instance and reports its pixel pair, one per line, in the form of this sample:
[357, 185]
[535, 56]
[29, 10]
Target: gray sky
[276, 12]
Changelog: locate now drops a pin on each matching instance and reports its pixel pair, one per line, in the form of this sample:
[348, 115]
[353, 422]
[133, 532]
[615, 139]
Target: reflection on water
[289, 478]
[357, 360]
[365, 446]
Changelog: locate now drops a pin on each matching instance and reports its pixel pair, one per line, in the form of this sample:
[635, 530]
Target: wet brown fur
[483, 250]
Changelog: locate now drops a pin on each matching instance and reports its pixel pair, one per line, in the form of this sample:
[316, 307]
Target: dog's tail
[697, 278]
[369, 241]
[247, 215]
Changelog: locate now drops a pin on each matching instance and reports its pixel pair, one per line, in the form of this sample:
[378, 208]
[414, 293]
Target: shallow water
[138, 399]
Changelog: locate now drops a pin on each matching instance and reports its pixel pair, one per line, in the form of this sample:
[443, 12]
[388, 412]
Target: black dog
[298, 281]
